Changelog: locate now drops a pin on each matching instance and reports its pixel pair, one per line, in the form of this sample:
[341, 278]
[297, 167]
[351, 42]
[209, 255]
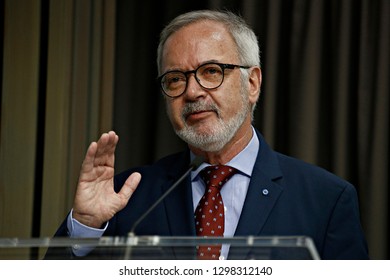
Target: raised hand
[96, 201]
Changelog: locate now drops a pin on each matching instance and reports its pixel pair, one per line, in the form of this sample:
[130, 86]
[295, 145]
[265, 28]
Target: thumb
[130, 186]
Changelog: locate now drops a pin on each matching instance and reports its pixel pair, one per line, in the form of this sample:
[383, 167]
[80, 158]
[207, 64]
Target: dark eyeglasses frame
[222, 65]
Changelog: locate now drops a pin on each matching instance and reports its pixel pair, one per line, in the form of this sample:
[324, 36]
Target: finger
[89, 159]
[103, 141]
[106, 149]
[113, 139]
[130, 186]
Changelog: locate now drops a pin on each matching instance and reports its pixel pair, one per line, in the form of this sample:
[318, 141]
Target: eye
[173, 79]
[210, 71]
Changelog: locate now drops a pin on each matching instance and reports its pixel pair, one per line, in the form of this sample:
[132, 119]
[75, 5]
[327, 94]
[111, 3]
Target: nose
[194, 90]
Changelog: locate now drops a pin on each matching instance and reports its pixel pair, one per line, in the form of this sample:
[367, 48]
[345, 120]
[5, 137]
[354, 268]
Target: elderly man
[210, 75]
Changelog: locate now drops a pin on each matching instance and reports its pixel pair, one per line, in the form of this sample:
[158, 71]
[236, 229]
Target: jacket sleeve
[344, 237]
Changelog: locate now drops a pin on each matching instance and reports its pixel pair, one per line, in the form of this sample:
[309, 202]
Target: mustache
[199, 106]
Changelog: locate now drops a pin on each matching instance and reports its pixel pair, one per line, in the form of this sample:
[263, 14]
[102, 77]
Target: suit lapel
[179, 209]
[263, 193]
[261, 198]
[178, 204]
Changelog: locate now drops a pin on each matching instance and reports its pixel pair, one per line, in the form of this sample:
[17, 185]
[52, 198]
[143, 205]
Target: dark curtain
[325, 92]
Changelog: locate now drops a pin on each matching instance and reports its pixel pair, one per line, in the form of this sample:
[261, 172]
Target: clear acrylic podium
[159, 248]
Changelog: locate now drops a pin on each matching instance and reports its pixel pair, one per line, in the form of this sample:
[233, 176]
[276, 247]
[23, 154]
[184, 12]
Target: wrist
[87, 220]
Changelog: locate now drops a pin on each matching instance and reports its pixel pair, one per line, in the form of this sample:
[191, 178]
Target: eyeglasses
[209, 76]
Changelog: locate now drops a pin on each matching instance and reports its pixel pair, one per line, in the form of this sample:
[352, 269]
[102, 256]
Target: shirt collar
[243, 161]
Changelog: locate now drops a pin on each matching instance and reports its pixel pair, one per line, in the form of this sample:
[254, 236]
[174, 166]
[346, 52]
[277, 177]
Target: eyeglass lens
[209, 76]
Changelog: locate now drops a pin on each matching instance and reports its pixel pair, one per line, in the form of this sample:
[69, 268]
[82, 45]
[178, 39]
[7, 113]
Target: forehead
[197, 43]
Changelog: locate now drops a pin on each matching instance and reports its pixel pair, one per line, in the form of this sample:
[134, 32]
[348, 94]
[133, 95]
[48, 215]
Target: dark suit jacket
[300, 199]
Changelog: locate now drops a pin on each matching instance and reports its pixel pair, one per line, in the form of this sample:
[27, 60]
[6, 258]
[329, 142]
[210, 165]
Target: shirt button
[265, 192]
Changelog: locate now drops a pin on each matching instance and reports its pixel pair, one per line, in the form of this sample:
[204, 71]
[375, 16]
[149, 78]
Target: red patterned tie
[209, 214]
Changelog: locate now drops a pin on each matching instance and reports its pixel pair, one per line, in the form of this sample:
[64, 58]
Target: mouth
[197, 112]
[198, 115]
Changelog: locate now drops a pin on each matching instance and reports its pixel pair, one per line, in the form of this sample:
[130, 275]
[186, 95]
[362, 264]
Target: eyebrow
[182, 70]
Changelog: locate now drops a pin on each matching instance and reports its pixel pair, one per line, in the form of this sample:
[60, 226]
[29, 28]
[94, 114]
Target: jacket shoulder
[316, 176]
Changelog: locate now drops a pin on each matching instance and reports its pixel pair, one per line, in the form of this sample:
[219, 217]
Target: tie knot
[217, 175]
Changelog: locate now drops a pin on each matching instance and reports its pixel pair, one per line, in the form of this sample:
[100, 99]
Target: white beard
[221, 133]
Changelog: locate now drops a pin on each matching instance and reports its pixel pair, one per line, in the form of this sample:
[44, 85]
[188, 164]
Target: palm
[96, 201]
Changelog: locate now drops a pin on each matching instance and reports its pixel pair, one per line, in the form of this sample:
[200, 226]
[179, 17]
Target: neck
[231, 149]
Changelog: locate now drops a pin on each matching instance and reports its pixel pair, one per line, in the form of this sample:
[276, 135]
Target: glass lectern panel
[158, 248]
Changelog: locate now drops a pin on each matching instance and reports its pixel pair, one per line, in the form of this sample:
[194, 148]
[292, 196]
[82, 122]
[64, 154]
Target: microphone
[193, 166]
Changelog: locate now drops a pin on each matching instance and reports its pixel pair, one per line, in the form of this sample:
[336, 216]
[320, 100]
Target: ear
[254, 84]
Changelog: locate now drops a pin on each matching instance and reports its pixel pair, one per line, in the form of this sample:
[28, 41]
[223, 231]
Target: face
[206, 119]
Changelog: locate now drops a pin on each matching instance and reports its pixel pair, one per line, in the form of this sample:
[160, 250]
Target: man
[209, 68]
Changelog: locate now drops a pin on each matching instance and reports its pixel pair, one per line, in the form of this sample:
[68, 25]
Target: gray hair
[244, 37]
